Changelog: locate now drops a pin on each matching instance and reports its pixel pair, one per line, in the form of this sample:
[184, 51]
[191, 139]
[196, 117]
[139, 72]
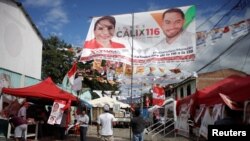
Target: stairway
[160, 131]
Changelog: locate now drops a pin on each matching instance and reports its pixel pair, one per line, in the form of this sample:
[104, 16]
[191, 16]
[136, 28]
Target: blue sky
[70, 19]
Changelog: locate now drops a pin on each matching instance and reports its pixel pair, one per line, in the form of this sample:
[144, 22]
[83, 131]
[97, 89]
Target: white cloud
[153, 6]
[43, 3]
[55, 17]
[56, 33]
[207, 18]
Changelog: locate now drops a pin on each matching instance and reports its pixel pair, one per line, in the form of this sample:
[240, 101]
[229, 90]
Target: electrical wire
[245, 60]
[217, 11]
[232, 45]
[228, 13]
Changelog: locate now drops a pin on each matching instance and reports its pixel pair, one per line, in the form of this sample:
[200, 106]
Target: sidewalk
[120, 134]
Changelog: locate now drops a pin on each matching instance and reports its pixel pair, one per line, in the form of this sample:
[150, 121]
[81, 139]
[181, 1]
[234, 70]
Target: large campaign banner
[155, 37]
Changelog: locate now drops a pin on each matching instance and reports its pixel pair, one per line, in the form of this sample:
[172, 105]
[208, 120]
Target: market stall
[120, 109]
[232, 91]
[45, 90]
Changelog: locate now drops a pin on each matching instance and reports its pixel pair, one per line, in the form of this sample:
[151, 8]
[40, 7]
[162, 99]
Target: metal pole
[141, 99]
[132, 65]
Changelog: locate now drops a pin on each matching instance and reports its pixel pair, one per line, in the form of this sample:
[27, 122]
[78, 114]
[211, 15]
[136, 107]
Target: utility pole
[141, 98]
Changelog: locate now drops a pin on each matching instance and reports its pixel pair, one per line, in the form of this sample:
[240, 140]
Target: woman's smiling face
[104, 31]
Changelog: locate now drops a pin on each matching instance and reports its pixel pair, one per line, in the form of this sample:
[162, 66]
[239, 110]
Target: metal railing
[159, 127]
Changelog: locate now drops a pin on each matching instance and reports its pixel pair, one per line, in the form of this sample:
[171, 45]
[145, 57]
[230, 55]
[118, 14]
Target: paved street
[120, 134]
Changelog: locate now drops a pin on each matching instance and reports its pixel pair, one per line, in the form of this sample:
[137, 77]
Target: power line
[238, 40]
[245, 60]
[227, 14]
[236, 6]
[233, 8]
[224, 5]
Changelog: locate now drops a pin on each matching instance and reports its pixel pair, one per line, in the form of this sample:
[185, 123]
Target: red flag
[158, 95]
[226, 29]
[71, 73]
[176, 70]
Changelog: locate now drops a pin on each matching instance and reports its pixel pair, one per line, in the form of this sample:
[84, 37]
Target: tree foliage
[57, 60]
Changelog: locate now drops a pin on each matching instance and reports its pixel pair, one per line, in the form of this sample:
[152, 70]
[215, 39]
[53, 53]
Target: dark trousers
[61, 133]
[83, 133]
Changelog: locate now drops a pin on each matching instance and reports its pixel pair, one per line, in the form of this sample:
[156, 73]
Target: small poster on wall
[56, 112]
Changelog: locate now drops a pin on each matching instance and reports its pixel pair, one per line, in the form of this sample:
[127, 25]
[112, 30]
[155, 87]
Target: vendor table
[28, 133]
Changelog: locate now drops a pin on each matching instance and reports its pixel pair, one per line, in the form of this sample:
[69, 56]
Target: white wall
[184, 86]
[20, 46]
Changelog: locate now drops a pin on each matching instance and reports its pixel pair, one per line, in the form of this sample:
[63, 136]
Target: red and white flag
[230, 103]
[71, 73]
[158, 95]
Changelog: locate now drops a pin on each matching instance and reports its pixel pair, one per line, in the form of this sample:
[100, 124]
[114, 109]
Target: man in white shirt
[107, 121]
[83, 120]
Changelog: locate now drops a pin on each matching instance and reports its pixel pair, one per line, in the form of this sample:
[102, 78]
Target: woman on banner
[104, 30]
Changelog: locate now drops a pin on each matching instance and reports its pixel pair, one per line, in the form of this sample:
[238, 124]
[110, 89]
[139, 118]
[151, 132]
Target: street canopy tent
[46, 89]
[237, 88]
[100, 102]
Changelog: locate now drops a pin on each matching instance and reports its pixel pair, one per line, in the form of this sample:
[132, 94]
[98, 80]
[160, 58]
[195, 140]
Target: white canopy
[100, 102]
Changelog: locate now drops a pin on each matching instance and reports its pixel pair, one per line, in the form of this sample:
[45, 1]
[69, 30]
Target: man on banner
[158, 95]
[172, 25]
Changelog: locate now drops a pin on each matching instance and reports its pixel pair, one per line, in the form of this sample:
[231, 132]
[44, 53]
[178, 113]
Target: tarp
[236, 88]
[46, 89]
[100, 102]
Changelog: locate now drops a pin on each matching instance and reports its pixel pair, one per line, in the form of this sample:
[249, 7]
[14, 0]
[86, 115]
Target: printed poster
[182, 124]
[239, 29]
[56, 112]
[216, 34]
[148, 37]
[206, 120]
[201, 39]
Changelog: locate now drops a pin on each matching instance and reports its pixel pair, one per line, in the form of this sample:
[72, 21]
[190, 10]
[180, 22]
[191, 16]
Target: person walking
[83, 120]
[138, 125]
[107, 121]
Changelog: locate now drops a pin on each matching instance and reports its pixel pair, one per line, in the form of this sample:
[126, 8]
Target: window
[182, 92]
[188, 89]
